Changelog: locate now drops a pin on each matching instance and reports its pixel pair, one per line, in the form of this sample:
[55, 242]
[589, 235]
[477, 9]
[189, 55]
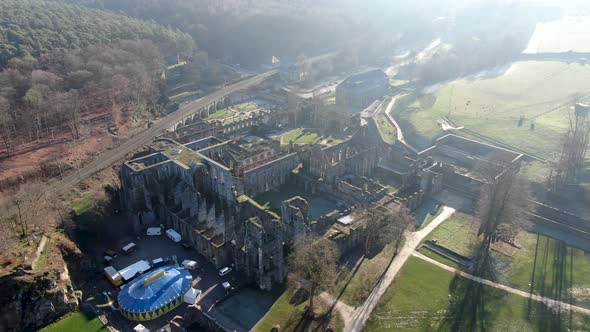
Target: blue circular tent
[154, 294]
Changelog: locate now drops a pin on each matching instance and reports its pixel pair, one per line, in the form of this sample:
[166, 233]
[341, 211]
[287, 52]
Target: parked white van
[154, 231]
[130, 247]
[173, 235]
[189, 265]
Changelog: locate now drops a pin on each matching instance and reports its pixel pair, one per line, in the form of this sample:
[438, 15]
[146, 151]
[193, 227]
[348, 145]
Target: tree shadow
[472, 304]
[300, 296]
[552, 277]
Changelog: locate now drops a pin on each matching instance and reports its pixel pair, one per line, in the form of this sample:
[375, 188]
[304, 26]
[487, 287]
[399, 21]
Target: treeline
[41, 99]
[34, 27]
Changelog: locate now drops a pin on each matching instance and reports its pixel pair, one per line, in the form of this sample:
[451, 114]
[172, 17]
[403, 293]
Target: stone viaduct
[205, 111]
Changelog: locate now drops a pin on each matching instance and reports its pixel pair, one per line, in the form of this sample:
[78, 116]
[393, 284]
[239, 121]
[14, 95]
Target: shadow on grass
[552, 277]
[427, 212]
[472, 305]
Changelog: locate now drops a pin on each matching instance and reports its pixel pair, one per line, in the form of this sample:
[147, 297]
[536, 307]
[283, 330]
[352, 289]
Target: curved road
[110, 157]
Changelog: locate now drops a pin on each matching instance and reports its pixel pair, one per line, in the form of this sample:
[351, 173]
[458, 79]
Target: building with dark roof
[360, 90]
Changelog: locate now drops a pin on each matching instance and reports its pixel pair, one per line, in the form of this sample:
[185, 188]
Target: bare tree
[385, 226]
[69, 102]
[502, 205]
[25, 208]
[314, 262]
[6, 124]
[575, 147]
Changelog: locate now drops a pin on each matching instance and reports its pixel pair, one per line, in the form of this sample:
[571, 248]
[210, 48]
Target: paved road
[400, 133]
[551, 303]
[356, 321]
[110, 157]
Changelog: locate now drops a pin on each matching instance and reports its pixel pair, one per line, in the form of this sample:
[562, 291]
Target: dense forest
[250, 32]
[33, 27]
[62, 91]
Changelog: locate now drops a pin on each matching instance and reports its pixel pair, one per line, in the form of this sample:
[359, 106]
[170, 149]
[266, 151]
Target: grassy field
[458, 233]
[547, 267]
[77, 322]
[300, 136]
[427, 298]
[539, 91]
[307, 136]
[364, 279]
[386, 129]
[542, 265]
[224, 113]
[245, 106]
[288, 310]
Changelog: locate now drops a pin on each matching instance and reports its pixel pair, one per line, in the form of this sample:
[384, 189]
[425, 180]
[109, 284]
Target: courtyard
[319, 204]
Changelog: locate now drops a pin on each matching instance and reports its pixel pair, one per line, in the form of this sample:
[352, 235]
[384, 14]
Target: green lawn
[365, 278]
[386, 129]
[301, 136]
[549, 267]
[224, 113]
[230, 120]
[77, 322]
[458, 233]
[543, 265]
[493, 106]
[245, 106]
[427, 298]
[283, 312]
[288, 310]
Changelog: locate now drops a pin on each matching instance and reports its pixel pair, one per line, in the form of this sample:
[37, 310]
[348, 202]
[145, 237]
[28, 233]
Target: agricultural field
[425, 297]
[539, 92]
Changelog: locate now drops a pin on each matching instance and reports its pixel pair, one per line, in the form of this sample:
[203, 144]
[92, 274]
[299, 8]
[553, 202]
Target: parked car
[226, 285]
[111, 253]
[108, 260]
[173, 235]
[130, 247]
[225, 271]
[189, 265]
[154, 231]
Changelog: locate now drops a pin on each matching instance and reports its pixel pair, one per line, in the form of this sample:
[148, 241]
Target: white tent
[192, 296]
